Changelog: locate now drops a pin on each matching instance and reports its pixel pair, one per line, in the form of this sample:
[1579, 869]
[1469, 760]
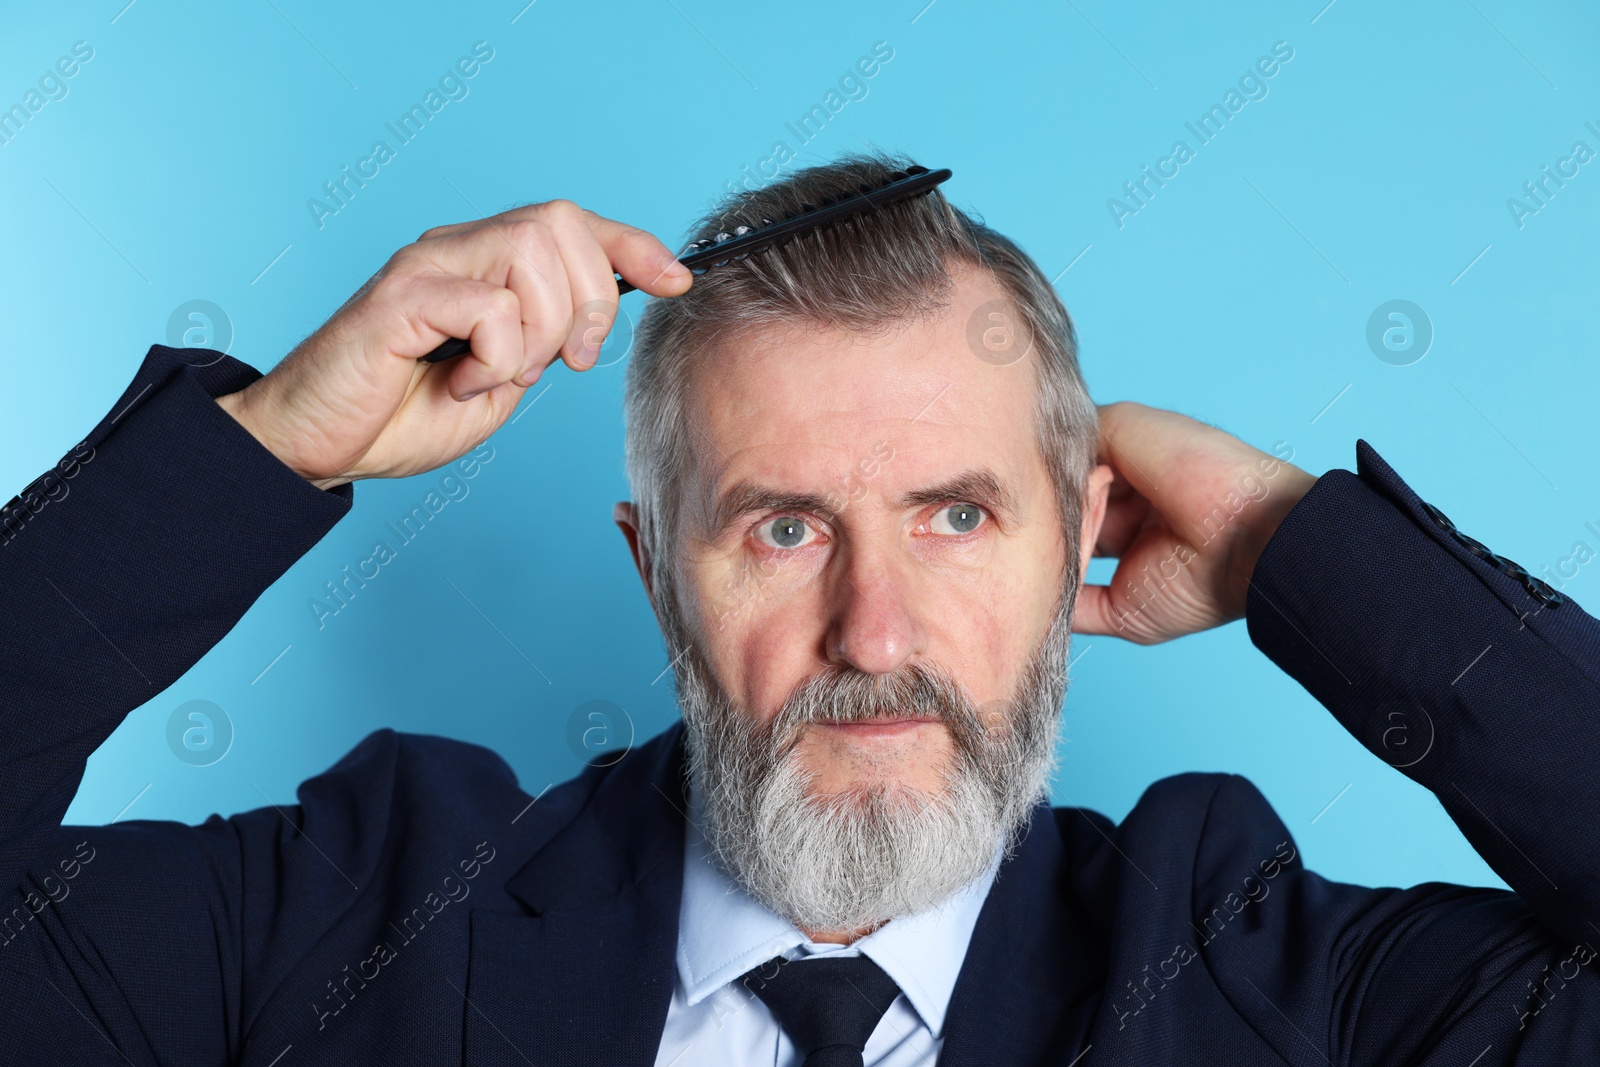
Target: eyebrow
[746, 498]
[980, 486]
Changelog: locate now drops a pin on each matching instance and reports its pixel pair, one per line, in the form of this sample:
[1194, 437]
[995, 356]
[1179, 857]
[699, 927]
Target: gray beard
[851, 860]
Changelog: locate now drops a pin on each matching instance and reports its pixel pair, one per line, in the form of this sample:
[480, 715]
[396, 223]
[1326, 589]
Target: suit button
[1477, 548]
[1438, 517]
[1514, 569]
[1541, 590]
[1537, 588]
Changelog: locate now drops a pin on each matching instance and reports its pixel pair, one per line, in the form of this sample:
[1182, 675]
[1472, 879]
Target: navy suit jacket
[414, 908]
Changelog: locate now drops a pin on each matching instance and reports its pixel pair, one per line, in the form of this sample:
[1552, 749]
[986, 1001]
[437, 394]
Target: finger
[516, 251]
[638, 256]
[1095, 614]
[489, 316]
[521, 249]
[593, 288]
[1174, 461]
[1127, 514]
[538, 275]
[644, 262]
[1131, 445]
[504, 218]
[1101, 613]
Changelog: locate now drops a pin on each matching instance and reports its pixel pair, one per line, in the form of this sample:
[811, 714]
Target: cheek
[734, 585]
[761, 622]
[987, 621]
[978, 634]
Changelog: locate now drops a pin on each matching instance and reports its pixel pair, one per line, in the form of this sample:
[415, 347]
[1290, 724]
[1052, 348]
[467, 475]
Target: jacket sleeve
[119, 569]
[1481, 683]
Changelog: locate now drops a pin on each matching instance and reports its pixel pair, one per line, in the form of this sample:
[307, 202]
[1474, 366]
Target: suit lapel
[1035, 966]
[587, 977]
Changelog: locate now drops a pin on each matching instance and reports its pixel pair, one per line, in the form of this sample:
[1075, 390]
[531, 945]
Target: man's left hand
[1189, 513]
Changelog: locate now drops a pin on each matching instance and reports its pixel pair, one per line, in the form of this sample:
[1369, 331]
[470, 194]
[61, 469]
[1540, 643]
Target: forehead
[802, 407]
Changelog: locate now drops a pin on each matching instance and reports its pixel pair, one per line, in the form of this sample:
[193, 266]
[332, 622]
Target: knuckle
[503, 303]
[391, 284]
[408, 262]
[633, 235]
[527, 235]
[563, 211]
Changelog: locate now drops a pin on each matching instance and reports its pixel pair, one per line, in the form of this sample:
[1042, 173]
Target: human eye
[785, 532]
[956, 519]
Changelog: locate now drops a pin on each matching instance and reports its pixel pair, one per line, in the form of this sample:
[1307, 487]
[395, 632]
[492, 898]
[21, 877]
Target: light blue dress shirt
[724, 932]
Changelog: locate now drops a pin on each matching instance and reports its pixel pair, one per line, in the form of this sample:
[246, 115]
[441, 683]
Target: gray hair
[865, 273]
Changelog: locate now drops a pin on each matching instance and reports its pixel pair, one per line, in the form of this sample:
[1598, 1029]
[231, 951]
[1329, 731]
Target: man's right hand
[353, 401]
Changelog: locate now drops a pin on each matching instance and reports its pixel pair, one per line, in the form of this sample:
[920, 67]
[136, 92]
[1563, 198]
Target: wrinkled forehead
[804, 408]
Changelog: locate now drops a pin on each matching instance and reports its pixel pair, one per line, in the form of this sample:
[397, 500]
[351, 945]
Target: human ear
[626, 517]
[1095, 494]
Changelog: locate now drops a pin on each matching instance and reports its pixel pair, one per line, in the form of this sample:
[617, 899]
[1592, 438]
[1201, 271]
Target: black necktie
[828, 1005]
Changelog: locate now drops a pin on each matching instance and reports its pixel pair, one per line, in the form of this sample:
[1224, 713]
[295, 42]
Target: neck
[839, 937]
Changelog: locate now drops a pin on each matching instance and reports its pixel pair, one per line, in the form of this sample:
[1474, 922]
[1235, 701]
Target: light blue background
[1378, 167]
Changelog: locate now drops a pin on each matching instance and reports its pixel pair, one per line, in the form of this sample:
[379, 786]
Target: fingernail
[476, 392]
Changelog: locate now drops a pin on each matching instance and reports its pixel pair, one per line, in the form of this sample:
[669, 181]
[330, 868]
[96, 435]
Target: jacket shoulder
[1196, 829]
[408, 757]
[397, 769]
[392, 795]
[1175, 805]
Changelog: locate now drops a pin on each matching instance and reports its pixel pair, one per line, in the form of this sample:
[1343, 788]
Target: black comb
[701, 256]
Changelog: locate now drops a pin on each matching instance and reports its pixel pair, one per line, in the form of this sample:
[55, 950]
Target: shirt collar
[723, 932]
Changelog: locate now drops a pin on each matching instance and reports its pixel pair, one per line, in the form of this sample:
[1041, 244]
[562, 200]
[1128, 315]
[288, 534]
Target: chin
[912, 778]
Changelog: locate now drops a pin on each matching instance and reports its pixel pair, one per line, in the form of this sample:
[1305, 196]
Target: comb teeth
[804, 209]
[709, 242]
[749, 240]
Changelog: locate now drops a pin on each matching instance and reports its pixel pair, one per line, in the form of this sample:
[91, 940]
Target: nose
[873, 623]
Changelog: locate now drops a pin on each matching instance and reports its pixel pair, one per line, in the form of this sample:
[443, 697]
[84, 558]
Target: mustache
[844, 694]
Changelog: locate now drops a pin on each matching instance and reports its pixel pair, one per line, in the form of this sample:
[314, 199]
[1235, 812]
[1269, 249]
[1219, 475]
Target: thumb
[1101, 613]
[1095, 614]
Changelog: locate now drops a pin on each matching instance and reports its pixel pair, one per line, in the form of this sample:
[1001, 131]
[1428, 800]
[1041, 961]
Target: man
[867, 484]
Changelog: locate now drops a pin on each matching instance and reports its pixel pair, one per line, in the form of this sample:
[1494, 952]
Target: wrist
[243, 409]
[1247, 550]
